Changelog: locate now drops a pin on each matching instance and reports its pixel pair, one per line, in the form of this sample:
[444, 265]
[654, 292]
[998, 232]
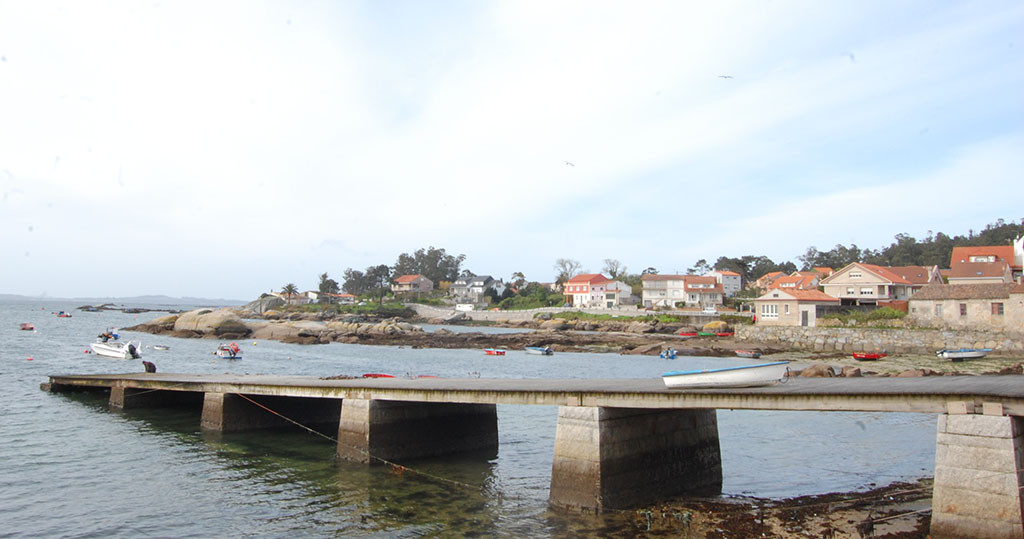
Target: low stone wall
[900, 341]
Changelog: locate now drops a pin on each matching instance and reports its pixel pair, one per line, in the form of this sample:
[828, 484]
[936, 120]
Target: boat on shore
[963, 353]
[229, 351]
[687, 334]
[494, 351]
[377, 375]
[25, 326]
[762, 374]
[752, 354]
[539, 350]
[868, 356]
[117, 349]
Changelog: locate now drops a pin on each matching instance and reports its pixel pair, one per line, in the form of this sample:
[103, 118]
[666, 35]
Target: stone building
[969, 306]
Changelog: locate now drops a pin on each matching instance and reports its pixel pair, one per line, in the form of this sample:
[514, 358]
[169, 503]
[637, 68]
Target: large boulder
[220, 323]
[818, 371]
[265, 303]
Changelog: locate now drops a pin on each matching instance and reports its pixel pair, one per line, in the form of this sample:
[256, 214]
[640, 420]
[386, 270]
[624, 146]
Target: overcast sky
[224, 149]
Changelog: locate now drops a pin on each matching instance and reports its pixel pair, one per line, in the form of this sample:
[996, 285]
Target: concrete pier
[979, 473]
[373, 429]
[227, 412]
[613, 458]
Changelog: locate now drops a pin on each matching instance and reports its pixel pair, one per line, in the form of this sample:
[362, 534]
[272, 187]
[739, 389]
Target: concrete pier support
[979, 472]
[613, 458]
[228, 412]
[125, 398]
[394, 430]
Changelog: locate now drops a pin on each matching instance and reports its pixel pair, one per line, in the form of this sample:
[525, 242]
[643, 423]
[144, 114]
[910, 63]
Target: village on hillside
[982, 289]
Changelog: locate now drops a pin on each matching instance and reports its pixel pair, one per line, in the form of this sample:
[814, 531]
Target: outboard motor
[133, 351]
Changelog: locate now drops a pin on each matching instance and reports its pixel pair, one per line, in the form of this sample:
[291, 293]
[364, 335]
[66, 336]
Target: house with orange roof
[791, 307]
[594, 290]
[681, 291]
[765, 281]
[798, 280]
[731, 281]
[990, 264]
[411, 283]
[868, 284]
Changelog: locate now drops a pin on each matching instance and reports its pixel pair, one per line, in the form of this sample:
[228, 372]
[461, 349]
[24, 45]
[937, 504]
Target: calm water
[71, 468]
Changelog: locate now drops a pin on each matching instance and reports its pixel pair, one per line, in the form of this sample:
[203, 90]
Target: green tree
[434, 264]
[289, 291]
[700, 268]
[614, 268]
[379, 277]
[327, 286]
[355, 282]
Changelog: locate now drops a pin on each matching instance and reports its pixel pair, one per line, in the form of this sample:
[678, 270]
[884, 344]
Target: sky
[225, 149]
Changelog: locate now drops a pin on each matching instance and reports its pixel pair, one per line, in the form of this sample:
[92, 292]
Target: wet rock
[818, 371]
[647, 350]
[554, 325]
[911, 373]
[851, 372]
[220, 322]
[1015, 369]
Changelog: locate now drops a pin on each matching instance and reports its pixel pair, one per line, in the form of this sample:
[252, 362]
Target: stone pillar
[228, 412]
[614, 458]
[979, 471]
[124, 398]
[395, 430]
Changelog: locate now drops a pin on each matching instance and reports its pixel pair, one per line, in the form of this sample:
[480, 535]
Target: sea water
[73, 468]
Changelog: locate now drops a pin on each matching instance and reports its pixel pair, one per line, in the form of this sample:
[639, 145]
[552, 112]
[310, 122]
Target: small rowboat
[62, 314]
[377, 375]
[868, 356]
[161, 347]
[753, 354]
[725, 333]
[963, 353]
[705, 333]
[687, 333]
[25, 326]
[539, 350]
[494, 351]
[229, 351]
[762, 374]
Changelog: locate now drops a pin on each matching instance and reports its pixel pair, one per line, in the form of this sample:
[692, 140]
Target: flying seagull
[570, 164]
[725, 76]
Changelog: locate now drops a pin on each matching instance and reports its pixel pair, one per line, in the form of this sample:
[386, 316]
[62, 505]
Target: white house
[730, 280]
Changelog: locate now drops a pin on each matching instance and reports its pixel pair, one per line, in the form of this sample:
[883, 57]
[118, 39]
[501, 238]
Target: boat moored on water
[963, 353]
[161, 347]
[63, 314]
[539, 350]
[494, 351]
[25, 326]
[752, 354]
[229, 351]
[762, 374]
[117, 349]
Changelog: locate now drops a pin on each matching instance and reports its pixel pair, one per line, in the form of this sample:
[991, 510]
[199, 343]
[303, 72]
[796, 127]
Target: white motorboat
[117, 349]
[229, 351]
[963, 353]
[539, 350]
[762, 374]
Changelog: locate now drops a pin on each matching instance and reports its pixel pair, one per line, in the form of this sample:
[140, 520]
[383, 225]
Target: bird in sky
[725, 76]
[570, 164]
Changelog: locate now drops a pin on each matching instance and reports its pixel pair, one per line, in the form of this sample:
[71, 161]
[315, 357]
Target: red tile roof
[885, 273]
[978, 270]
[727, 272]
[801, 295]
[588, 278]
[407, 278]
[913, 274]
[964, 254]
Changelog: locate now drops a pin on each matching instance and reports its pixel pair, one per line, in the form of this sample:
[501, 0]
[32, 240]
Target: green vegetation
[737, 320]
[663, 318]
[531, 296]
[370, 308]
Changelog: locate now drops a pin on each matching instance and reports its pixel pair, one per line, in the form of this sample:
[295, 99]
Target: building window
[938, 309]
[963, 309]
[851, 290]
[769, 311]
[997, 309]
[866, 291]
[855, 275]
[787, 308]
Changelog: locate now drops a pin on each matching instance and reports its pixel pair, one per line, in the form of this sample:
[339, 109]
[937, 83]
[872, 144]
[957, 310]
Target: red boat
[725, 333]
[25, 326]
[494, 351]
[377, 375]
[868, 356]
[687, 333]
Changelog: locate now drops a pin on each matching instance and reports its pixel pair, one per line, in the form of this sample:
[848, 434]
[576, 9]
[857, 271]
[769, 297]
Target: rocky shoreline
[628, 338]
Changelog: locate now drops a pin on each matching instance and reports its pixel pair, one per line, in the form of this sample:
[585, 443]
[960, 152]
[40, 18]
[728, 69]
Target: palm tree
[289, 291]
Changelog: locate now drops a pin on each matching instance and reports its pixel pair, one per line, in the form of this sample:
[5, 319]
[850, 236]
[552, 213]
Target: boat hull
[763, 374]
[117, 350]
[494, 352]
[748, 354]
[868, 356]
[539, 350]
[963, 353]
